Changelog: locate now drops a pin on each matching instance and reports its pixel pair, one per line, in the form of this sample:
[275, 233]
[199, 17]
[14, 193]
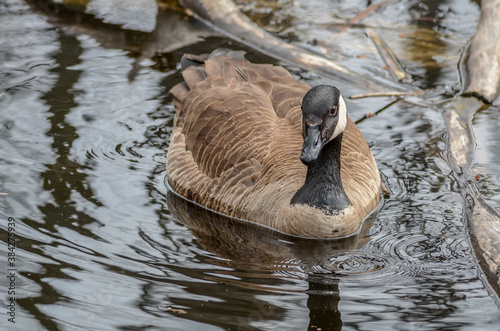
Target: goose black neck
[323, 187]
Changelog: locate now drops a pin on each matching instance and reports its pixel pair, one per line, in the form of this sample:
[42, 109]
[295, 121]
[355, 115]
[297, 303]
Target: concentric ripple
[355, 264]
[368, 267]
[362, 266]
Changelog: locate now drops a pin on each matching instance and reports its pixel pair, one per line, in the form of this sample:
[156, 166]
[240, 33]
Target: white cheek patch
[342, 123]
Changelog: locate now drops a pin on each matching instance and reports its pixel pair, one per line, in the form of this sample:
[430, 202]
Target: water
[487, 165]
[85, 119]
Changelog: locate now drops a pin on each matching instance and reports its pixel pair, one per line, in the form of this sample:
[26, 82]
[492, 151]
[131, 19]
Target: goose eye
[334, 110]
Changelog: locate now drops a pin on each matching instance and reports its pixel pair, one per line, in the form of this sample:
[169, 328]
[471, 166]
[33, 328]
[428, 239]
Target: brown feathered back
[236, 144]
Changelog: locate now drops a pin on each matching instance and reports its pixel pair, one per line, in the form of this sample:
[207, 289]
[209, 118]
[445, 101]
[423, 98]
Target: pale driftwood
[460, 140]
[482, 64]
[481, 87]
[224, 16]
[484, 223]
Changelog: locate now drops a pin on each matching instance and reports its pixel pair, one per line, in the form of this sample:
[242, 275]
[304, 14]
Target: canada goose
[251, 142]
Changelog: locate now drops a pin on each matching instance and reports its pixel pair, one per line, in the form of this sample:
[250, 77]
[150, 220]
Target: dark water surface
[85, 119]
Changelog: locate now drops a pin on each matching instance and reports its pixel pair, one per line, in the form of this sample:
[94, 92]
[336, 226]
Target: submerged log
[225, 17]
[481, 88]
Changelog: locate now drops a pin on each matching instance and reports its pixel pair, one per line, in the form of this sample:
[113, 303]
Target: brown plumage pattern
[236, 144]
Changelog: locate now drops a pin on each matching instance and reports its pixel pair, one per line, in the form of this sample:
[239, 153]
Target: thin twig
[370, 115]
[381, 94]
[367, 11]
[389, 57]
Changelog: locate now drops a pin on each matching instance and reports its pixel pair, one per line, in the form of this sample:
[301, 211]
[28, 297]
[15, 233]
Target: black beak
[313, 143]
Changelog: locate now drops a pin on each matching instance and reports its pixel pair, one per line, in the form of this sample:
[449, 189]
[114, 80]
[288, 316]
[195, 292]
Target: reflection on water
[260, 260]
[102, 245]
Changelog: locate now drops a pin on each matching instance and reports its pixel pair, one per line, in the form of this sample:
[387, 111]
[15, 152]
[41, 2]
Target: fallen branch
[224, 17]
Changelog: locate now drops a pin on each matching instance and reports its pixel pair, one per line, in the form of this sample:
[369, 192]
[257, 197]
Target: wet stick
[388, 57]
[381, 94]
[367, 11]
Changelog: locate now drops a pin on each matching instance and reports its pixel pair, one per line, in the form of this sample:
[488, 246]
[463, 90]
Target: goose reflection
[259, 255]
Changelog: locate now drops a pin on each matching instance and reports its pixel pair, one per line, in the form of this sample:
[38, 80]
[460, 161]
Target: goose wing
[231, 120]
[360, 175]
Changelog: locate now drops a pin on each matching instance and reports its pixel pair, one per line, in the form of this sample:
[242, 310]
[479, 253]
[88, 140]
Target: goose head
[324, 117]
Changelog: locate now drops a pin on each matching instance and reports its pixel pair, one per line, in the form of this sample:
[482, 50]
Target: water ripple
[367, 267]
[355, 264]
